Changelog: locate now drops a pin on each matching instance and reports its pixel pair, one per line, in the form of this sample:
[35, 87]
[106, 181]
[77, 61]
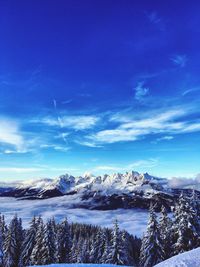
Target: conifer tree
[2, 238]
[126, 247]
[116, 253]
[185, 229]
[74, 250]
[165, 226]
[96, 246]
[13, 243]
[151, 249]
[29, 242]
[64, 242]
[36, 255]
[48, 249]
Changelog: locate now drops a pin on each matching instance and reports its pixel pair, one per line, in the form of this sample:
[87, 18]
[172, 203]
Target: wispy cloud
[147, 163]
[179, 60]
[162, 122]
[191, 90]
[68, 101]
[28, 170]
[19, 169]
[165, 138]
[155, 19]
[87, 143]
[141, 91]
[76, 122]
[55, 147]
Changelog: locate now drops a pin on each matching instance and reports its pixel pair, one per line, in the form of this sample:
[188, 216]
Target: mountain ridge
[128, 190]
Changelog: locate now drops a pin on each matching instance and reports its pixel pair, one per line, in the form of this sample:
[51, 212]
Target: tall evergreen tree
[165, 226]
[64, 242]
[185, 229]
[48, 249]
[96, 247]
[13, 243]
[36, 255]
[29, 242]
[116, 253]
[151, 250]
[2, 238]
[74, 250]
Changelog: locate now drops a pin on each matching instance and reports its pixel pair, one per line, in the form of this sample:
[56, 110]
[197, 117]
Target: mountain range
[128, 190]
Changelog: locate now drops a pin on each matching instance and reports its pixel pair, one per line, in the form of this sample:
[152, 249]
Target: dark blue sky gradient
[134, 60]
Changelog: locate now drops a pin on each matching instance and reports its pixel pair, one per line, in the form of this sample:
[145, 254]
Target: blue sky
[99, 86]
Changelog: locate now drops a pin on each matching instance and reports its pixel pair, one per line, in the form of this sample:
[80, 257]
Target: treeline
[50, 242]
[167, 236]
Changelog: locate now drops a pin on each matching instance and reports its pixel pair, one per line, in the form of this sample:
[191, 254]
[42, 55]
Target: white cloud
[86, 143]
[165, 122]
[106, 168]
[116, 135]
[81, 122]
[180, 182]
[165, 138]
[55, 147]
[140, 91]
[10, 134]
[19, 170]
[180, 60]
[148, 163]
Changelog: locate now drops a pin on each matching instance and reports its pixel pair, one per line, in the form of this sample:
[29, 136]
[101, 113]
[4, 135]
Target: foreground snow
[187, 259]
[132, 220]
[78, 265]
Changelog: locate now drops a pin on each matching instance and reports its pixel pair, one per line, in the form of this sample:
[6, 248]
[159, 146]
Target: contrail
[60, 122]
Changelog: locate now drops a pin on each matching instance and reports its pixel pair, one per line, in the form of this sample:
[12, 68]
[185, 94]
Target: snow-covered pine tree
[116, 253]
[36, 255]
[29, 242]
[99, 247]
[96, 246]
[48, 249]
[74, 250]
[126, 247]
[106, 252]
[84, 252]
[195, 208]
[2, 237]
[13, 243]
[165, 226]
[185, 228]
[151, 249]
[64, 242]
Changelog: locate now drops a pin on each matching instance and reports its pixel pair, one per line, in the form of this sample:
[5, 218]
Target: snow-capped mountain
[131, 189]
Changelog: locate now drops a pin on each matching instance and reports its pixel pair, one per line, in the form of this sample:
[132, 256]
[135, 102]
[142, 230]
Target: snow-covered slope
[187, 259]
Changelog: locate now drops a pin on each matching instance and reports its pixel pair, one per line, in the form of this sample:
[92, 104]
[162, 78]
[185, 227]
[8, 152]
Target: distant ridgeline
[50, 242]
